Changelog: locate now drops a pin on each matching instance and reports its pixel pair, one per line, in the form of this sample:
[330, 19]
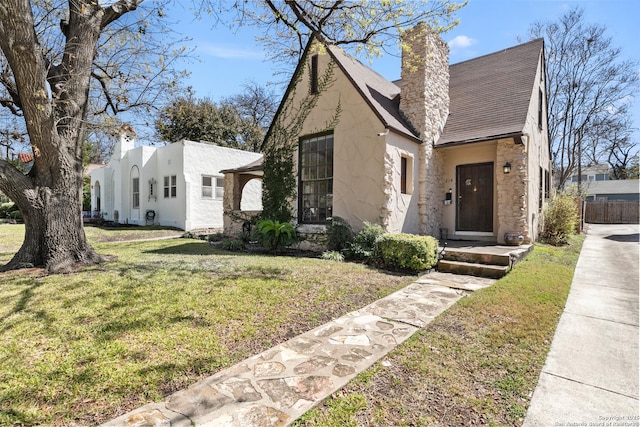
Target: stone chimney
[126, 141]
[424, 101]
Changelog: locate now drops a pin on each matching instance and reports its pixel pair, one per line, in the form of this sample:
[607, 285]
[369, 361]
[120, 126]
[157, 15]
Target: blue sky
[227, 60]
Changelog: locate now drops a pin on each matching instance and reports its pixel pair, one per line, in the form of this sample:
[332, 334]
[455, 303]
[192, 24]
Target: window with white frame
[212, 187]
[170, 184]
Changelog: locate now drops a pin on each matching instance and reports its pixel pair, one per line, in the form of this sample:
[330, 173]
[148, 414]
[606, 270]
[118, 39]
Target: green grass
[85, 347]
[476, 364]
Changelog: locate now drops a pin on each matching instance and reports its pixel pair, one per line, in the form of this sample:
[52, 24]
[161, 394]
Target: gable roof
[490, 95]
[382, 95]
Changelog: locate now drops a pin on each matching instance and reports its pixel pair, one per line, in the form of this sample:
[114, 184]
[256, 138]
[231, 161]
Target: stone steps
[473, 269]
[492, 261]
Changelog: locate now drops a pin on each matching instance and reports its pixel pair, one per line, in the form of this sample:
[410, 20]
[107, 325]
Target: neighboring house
[459, 151]
[596, 185]
[178, 185]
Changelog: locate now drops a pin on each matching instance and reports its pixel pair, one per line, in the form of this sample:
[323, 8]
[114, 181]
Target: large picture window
[316, 179]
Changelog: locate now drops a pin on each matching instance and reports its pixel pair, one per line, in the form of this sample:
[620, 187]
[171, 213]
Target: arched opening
[251, 197]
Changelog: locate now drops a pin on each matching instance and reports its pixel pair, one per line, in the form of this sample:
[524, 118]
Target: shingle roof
[489, 95]
[382, 95]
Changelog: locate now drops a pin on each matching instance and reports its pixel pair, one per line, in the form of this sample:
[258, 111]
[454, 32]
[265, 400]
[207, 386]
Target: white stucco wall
[206, 159]
[188, 161]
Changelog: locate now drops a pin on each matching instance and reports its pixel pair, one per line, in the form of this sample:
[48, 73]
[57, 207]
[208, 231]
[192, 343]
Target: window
[540, 108]
[208, 191]
[135, 191]
[602, 177]
[547, 184]
[314, 75]
[170, 186]
[315, 201]
[406, 174]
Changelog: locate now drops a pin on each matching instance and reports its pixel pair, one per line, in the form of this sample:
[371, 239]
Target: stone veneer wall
[424, 100]
[512, 189]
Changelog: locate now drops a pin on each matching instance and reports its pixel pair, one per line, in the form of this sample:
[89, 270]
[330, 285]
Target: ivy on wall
[279, 180]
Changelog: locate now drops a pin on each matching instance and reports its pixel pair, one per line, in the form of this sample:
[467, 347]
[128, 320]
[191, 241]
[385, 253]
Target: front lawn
[85, 347]
[476, 364]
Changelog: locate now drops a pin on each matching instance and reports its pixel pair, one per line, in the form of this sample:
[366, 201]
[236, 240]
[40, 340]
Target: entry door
[475, 197]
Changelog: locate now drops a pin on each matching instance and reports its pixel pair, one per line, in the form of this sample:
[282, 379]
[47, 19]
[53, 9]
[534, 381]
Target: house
[459, 152]
[596, 185]
[177, 185]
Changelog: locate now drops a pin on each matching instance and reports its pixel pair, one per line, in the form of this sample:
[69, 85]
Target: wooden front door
[475, 197]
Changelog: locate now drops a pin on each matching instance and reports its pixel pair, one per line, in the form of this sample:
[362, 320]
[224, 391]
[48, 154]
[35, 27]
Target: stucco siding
[187, 161]
[358, 162]
[401, 208]
[208, 160]
[537, 148]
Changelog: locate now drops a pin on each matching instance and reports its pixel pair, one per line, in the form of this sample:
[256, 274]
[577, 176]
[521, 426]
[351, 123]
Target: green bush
[232, 245]
[7, 208]
[17, 215]
[560, 220]
[408, 251]
[275, 235]
[364, 243]
[339, 234]
[332, 256]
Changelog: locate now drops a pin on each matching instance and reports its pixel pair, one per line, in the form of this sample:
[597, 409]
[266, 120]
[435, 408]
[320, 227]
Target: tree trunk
[53, 99]
[54, 234]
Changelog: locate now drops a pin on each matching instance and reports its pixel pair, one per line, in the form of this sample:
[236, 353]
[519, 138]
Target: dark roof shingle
[489, 95]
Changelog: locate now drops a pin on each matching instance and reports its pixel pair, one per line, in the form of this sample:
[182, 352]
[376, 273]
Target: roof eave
[482, 139]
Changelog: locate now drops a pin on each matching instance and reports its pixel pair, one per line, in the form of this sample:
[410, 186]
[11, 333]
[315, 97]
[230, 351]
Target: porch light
[506, 168]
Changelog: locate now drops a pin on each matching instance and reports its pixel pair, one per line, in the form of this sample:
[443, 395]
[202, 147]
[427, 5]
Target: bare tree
[256, 106]
[51, 52]
[363, 26]
[588, 85]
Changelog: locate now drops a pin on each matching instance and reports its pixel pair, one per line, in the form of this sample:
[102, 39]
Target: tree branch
[118, 9]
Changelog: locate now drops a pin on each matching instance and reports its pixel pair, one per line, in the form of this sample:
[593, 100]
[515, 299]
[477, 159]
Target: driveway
[591, 372]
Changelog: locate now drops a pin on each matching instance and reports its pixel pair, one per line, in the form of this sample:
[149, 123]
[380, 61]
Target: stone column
[424, 101]
[512, 189]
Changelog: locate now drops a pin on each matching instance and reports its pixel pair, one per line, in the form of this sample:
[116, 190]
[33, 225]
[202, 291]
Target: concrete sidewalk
[277, 386]
[591, 373]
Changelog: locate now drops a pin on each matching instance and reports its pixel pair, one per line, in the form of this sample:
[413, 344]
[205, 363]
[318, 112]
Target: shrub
[17, 215]
[339, 234]
[364, 243]
[6, 209]
[332, 256]
[216, 237]
[560, 220]
[408, 251]
[232, 245]
[275, 235]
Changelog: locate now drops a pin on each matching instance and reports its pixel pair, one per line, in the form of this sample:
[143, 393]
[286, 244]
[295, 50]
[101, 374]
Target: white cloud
[227, 52]
[461, 42]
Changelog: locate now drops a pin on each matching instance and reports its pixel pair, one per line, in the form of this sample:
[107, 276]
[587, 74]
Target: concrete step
[473, 269]
[477, 257]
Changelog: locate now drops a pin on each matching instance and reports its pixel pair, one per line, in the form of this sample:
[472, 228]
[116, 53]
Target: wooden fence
[613, 212]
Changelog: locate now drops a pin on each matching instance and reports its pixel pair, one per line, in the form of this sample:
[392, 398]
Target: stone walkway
[276, 387]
